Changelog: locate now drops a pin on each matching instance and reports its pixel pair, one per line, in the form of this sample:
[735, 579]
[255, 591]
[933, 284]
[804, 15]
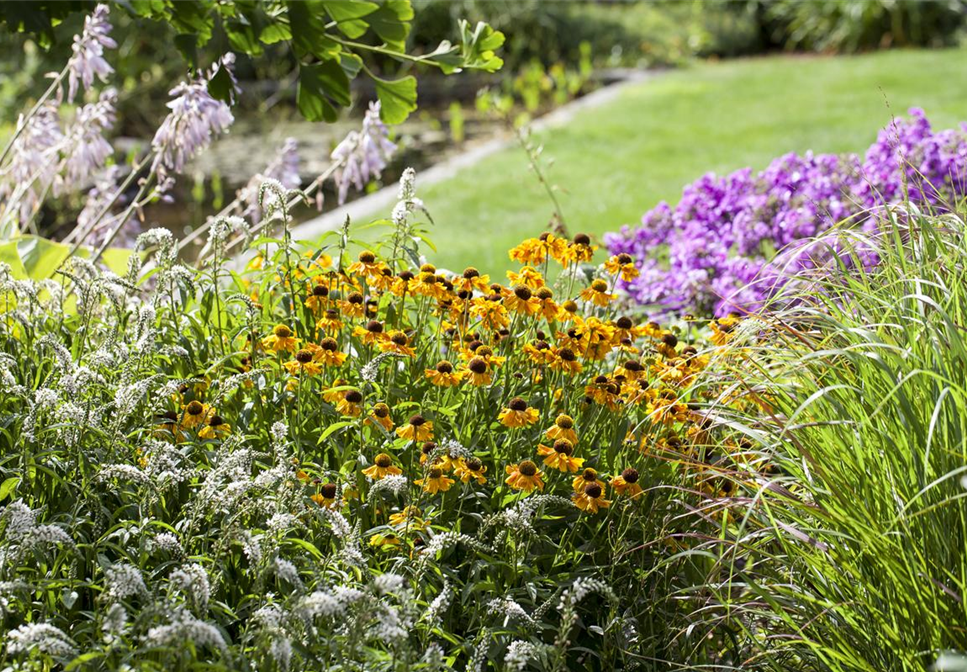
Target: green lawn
[620, 159]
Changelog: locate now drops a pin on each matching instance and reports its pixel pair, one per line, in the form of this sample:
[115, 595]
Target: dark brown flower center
[523, 293]
[567, 355]
[474, 464]
[518, 404]
[470, 273]
[354, 396]
[428, 447]
[599, 286]
[367, 257]
[320, 290]
[592, 490]
[355, 298]
[329, 344]
[216, 421]
[436, 472]
[381, 410]
[484, 351]
[374, 327]
[427, 268]
[582, 239]
[632, 365]
[630, 475]
[328, 490]
[670, 340]
[399, 338]
[444, 367]
[590, 475]
[282, 331]
[477, 365]
[564, 447]
[527, 468]
[417, 420]
[303, 356]
[564, 421]
[195, 408]
[624, 323]
[544, 294]
[383, 460]
[624, 258]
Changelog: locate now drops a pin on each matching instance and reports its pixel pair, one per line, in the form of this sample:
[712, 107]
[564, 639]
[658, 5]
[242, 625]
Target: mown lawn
[616, 161]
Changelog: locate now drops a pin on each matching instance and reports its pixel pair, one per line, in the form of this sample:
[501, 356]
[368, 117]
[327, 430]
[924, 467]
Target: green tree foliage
[333, 42]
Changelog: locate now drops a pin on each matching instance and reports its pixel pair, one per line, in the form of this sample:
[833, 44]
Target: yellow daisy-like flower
[329, 322]
[215, 427]
[528, 277]
[524, 476]
[589, 475]
[280, 340]
[410, 518]
[195, 413]
[518, 414]
[354, 305]
[381, 416]
[371, 334]
[382, 467]
[478, 372]
[598, 293]
[580, 250]
[723, 329]
[417, 429]
[318, 299]
[334, 394]
[563, 428]
[560, 456]
[627, 483]
[523, 301]
[350, 404]
[471, 280]
[530, 251]
[303, 363]
[435, 481]
[565, 360]
[539, 352]
[366, 264]
[385, 541]
[397, 342]
[444, 375]
[471, 468]
[328, 353]
[624, 264]
[591, 498]
[326, 497]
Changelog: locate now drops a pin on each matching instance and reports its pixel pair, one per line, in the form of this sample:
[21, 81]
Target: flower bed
[715, 252]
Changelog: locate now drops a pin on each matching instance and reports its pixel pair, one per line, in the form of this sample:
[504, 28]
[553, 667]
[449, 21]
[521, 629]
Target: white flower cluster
[124, 581]
[185, 627]
[192, 580]
[42, 637]
[509, 609]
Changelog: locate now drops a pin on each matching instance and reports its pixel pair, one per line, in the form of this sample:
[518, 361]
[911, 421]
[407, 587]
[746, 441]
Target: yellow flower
[523, 301]
[435, 481]
[330, 322]
[195, 413]
[624, 264]
[560, 456]
[444, 375]
[587, 476]
[366, 264]
[410, 518]
[591, 498]
[381, 415]
[579, 250]
[723, 329]
[563, 428]
[334, 394]
[387, 540]
[471, 280]
[524, 476]
[539, 352]
[303, 364]
[318, 299]
[281, 339]
[328, 353]
[518, 414]
[350, 404]
[215, 427]
[598, 293]
[627, 483]
[353, 306]
[398, 343]
[382, 467]
[417, 428]
[372, 334]
[565, 360]
[472, 468]
[528, 277]
[326, 497]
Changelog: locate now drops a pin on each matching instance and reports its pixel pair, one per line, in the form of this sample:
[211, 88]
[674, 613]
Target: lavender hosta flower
[284, 169]
[85, 148]
[716, 250]
[362, 155]
[195, 118]
[88, 57]
[33, 164]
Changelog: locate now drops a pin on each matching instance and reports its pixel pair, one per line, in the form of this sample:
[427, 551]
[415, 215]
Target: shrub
[715, 252]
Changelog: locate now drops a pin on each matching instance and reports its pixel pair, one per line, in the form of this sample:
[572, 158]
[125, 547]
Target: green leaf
[274, 33]
[221, 86]
[346, 14]
[8, 486]
[397, 98]
[9, 255]
[307, 23]
[391, 23]
[318, 84]
[335, 427]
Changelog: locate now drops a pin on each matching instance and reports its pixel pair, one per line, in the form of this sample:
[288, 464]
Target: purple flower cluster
[718, 249]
